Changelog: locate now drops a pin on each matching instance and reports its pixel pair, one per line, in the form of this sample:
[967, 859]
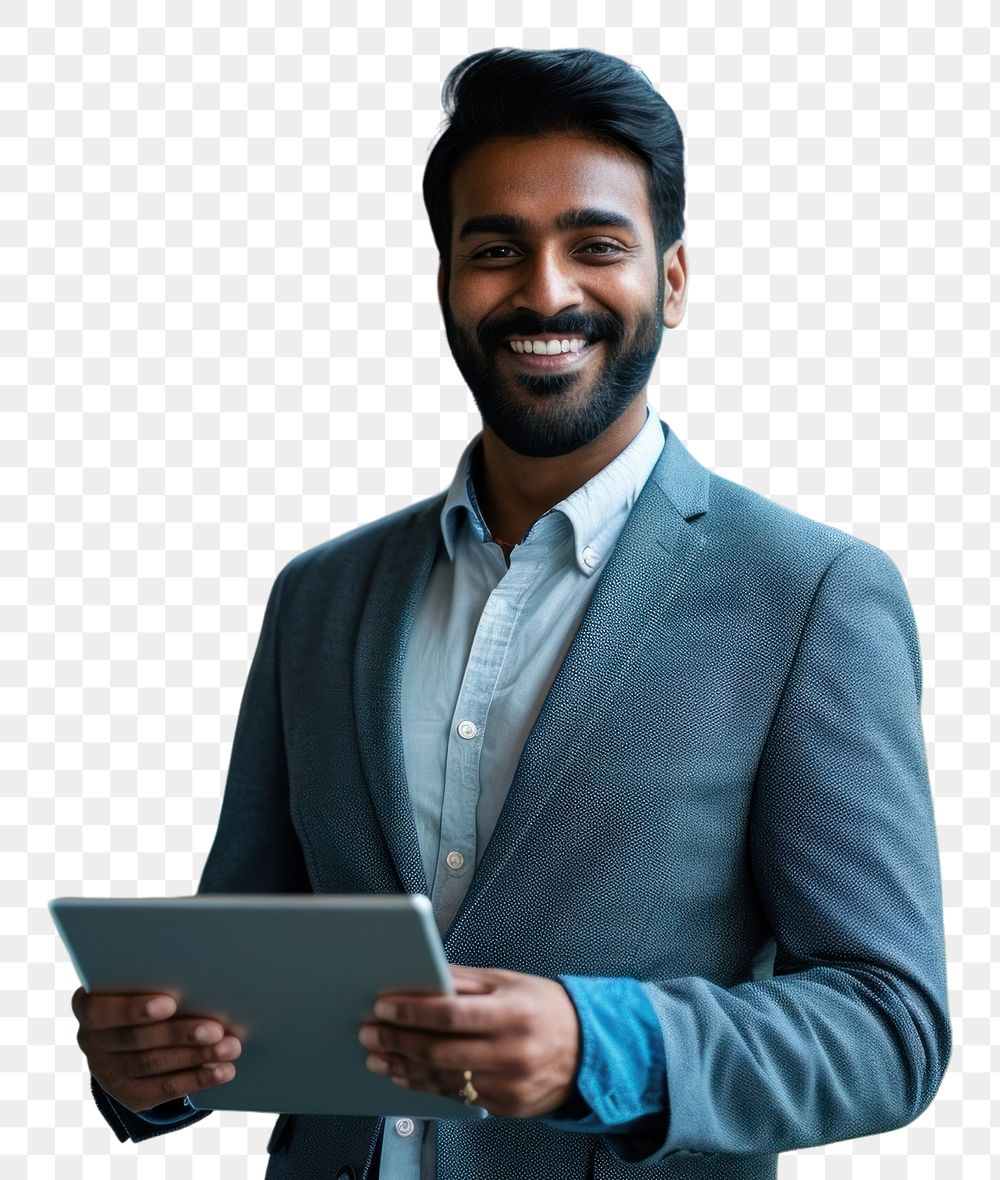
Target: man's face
[524, 269]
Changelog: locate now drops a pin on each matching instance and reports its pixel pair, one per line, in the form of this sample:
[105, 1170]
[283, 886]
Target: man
[650, 742]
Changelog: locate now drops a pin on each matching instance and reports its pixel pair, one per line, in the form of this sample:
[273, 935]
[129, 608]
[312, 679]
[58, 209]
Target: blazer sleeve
[851, 1035]
[255, 849]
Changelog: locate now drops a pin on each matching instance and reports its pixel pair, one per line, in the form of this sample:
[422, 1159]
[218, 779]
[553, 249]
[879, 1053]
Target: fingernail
[204, 1032]
[377, 1065]
[224, 1072]
[384, 1010]
[160, 1007]
[227, 1048]
[368, 1037]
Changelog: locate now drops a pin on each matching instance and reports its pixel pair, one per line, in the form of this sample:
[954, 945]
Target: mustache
[589, 327]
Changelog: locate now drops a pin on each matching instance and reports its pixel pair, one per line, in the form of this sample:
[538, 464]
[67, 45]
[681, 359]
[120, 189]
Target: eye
[613, 247]
[599, 250]
[488, 253]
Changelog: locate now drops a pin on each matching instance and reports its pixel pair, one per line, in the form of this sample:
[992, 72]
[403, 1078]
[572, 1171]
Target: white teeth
[548, 347]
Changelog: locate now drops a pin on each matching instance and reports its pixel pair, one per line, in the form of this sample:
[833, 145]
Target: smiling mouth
[573, 351]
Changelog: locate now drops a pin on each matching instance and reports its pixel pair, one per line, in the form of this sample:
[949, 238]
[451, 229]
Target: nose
[547, 284]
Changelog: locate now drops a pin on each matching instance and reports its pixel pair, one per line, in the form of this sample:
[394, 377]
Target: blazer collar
[681, 478]
[398, 580]
[650, 561]
[632, 602]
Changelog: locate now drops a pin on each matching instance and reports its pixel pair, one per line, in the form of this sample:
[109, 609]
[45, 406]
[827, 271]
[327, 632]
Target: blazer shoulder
[748, 530]
[352, 555]
[784, 561]
[756, 528]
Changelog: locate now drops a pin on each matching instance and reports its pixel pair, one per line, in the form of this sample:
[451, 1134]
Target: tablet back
[294, 976]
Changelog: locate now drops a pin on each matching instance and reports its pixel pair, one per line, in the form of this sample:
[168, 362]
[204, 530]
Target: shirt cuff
[621, 1079]
[167, 1113]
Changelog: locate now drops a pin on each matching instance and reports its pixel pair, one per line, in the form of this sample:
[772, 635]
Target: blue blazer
[725, 794]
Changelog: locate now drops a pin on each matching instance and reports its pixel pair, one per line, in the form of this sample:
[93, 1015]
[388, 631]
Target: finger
[409, 1073]
[154, 1062]
[455, 1014]
[435, 1053]
[451, 1085]
[493, 1090]
[165, 1087]
[472, 980]
[97, 1011]
[466, 980]
[162, 1034]
[387, 1065]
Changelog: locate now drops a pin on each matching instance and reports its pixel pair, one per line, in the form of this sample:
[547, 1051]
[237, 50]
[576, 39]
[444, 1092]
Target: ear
[675, 272]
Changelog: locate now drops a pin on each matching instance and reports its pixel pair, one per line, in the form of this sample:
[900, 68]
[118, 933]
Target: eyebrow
[585, 218]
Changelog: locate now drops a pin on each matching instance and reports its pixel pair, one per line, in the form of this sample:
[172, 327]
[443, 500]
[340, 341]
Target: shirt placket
[457, 851]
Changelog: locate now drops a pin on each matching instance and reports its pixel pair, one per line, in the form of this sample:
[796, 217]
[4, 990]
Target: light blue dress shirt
[486, 645]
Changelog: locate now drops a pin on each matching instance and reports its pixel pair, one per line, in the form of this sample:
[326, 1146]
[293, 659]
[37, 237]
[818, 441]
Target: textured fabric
[486, 644]
[724, 796]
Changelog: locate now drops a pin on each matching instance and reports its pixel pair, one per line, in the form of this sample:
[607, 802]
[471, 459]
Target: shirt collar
[596, 511]
[461, 504]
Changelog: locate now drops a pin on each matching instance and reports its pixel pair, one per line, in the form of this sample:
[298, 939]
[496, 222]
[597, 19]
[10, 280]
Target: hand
[517, 1034]
[142, 1054]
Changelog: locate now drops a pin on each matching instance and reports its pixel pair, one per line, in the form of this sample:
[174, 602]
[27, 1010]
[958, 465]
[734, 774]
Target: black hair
[539, 91]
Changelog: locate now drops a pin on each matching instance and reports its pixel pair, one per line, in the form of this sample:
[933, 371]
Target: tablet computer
[294, 976]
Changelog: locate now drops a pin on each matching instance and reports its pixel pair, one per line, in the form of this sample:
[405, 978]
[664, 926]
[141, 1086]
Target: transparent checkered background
[220, 345]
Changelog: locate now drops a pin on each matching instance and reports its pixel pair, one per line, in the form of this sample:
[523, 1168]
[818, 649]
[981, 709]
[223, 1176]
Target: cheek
[473, 297]
[627, 294]
[635, 294]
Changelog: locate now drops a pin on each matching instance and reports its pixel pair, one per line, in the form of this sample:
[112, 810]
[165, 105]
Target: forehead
[536, 178]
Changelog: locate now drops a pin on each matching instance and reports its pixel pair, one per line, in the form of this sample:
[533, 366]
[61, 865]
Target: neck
[515, 490]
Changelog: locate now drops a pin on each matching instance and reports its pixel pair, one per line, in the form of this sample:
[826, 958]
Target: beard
[545, 420]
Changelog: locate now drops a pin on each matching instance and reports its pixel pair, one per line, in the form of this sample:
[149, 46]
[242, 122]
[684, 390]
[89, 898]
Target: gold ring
[468, 1092]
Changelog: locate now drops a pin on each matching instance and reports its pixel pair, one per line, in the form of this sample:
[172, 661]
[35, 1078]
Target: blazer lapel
[654, 557]
[397, 584]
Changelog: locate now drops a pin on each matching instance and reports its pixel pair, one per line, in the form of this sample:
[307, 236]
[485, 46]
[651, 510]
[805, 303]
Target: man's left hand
[517, 1034]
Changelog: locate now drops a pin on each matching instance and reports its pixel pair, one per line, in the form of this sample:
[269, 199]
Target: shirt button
[467, 729]
[404, 1127]
[590, 557]
[455, 860]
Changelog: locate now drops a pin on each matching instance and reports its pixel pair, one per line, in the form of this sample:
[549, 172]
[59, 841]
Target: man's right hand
[142, 1054]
